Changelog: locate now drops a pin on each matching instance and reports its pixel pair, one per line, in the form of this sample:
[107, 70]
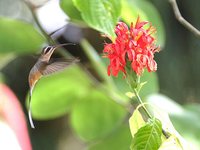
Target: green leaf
[100, 14]
[154, 17]
[96, 115]
[172, 143]
[136, 122]
[130, 12]
[148, 137]
[18, 37]
[120, 139]
[55, 95]
[71, 11]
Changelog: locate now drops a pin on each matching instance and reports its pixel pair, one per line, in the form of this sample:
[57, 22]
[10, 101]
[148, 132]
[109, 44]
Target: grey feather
[56, 66]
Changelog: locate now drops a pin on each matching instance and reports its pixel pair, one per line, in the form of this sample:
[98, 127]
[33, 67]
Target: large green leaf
[148, 137]
[96, 115]
[100, 14]
[120, 139]
[18, 37]
[54, 95]
[70, 10]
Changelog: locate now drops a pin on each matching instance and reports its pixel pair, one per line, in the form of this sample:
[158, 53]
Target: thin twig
[49, 39]
[182, 20]
[32, 9]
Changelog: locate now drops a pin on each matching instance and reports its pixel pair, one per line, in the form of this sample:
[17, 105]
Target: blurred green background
[82, 108]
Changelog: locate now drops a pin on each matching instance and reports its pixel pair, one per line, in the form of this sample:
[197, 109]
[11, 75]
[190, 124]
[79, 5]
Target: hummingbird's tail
[29, 111]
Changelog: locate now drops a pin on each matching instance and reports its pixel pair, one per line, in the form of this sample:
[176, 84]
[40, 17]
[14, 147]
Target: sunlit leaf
[100, 14]
[148, 137]
[172, 143]
[54, 95]
[70, 10]
[130, 12]
[136, 122]
[96, 115]
[120, 139]
[19, 37]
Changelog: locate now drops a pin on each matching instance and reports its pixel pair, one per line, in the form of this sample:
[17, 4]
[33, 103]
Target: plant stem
[48, 38]
[140, 102]
[97, 63]
[50, 41]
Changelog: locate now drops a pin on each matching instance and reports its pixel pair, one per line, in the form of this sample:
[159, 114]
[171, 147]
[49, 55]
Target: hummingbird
[46, 66]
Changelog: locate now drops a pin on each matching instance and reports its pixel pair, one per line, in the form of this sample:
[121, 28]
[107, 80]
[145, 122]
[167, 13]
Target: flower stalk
[142, 104]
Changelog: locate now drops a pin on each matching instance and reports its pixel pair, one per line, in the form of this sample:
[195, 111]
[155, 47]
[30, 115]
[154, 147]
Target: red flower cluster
[134, 46]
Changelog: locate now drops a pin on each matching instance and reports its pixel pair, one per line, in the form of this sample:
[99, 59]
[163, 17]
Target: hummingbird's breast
[36, 73]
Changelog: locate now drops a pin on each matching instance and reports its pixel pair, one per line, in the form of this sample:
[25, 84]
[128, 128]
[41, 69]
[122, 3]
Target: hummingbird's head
[48, 50]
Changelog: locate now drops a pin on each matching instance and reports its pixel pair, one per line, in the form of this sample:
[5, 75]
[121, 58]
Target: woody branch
[182, 20]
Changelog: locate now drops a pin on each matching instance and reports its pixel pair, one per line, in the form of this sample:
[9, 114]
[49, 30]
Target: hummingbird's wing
[58, 65]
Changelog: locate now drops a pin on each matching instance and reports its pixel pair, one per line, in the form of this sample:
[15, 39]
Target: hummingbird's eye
[47, 49]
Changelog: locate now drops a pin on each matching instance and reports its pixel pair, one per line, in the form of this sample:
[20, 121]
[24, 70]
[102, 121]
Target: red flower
[135, 46]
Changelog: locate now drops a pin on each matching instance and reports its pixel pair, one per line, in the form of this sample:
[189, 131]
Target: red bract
[134, 46]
